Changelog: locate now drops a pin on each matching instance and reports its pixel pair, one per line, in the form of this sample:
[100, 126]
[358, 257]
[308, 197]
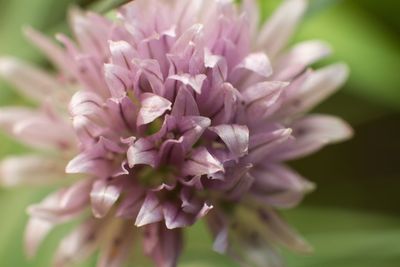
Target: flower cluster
[173, 111]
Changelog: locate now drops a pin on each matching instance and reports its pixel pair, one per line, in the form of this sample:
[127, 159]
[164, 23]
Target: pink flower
[176, 111]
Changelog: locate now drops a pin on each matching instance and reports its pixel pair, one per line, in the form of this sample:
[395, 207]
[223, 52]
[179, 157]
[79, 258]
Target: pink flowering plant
[171, 112]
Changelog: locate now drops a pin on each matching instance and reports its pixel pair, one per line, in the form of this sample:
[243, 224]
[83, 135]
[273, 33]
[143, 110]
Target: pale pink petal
[30, 81]
[318, 86]
[194, 81]
[236, 137]
[104, 195]
[54, 52]
[35, 232]
[119, 248]
[150, 212]
[184, 104]
[298, 58]
[201, 162]
[278, 29]
[79, 244]
[163, 245]
[257, 63]
[313, 132]
[142, 152]
[279, 231]
[63, 205]
[153, 106]
[31, 170]
[279, 186]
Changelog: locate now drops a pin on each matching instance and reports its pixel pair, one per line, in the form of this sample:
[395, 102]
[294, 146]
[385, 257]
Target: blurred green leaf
[366, 45]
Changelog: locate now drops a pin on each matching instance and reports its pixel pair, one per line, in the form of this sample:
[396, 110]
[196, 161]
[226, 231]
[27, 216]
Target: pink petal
[104, 195]
[142, 152]
[279, 186]
[64, 204]
[54, 52]
[153, 106]
[163, 245]
[278, 29]
[118, 79]
[236, 137]
[35, 232]
[150, 212]
[118, 249]
[279, 231]
[79, 244]
[31, 170]
[122, 53]
[184, 104]
[30, 81]
[194, 81]
[192, 128]
[318, 86]
[262, 145]
[175, 217]
[201, 162]
[257, 63]
[300, 56]
[312, 133]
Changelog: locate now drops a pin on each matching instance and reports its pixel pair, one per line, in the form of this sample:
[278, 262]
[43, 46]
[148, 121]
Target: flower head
[172, 112]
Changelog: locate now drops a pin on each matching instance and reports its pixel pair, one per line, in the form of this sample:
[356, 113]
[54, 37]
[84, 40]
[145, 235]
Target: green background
[353, 218]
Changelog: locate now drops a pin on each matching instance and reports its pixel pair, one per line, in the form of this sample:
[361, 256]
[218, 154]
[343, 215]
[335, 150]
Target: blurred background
[353, 218]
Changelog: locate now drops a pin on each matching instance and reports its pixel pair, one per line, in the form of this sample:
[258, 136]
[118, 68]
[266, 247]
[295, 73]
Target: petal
[201, 162]
[236, 182]
[153, 106]
[142, 152]
[31, 170]
[54, 52]
[192, 128]
[118, 249]
[218, 224]
[118, 79]
[104, 195]
[45, 131]
[151, 70]
[317, 87]
[236, 138]
[35, 232]
[298, 58]
[9, 116]
[279, 186]
[278, 29]
[172, 152]
[262, 145]
[194, 81]
[64, 204]
[311, 134]
[175, 217]
[163, 245]
[150, 212]
[257, 63]
[93, 161]
[261, 97]
[280, 232]
[79, 244]
[85, 103]
[184, 104]
[122, 53]
[30, 81]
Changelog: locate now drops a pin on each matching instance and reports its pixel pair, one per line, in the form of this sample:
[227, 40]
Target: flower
[173, 111]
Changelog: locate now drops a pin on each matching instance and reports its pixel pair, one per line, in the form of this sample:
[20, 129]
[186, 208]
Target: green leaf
[365, 45]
